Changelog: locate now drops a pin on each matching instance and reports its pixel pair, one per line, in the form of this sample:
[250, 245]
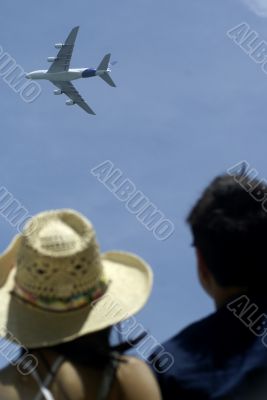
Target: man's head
[229, 230]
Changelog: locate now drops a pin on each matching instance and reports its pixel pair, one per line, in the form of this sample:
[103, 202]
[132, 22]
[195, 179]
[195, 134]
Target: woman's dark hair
[94, 350]
[91, 350]
[229, 227]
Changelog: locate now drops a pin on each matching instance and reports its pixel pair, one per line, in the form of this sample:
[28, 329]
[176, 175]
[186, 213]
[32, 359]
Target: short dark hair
[229, 228]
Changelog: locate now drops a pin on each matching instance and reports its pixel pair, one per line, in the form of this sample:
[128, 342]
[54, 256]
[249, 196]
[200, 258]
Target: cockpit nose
[27, 76]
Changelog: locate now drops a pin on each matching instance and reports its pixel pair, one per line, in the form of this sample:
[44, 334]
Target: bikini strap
[44, 391]
[109, 375]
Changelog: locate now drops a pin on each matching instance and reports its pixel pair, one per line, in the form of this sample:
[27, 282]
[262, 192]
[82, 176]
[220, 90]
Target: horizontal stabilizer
[106, 77]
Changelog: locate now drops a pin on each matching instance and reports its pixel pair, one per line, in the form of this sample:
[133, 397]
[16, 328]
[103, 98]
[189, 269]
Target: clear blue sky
[189, 104]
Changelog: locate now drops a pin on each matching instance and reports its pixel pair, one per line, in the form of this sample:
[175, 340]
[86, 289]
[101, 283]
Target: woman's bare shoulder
[136, 380]
[134, 363]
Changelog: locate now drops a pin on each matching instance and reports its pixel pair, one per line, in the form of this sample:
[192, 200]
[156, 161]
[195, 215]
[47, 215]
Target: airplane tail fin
[103, 66]
[104, 69]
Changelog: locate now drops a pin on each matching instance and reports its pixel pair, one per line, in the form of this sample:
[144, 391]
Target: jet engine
[59, 45]
[51, 59]
[70, 102]
[57, 91]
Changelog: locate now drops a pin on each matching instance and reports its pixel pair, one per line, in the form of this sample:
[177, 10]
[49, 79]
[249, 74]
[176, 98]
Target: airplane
[61, 75]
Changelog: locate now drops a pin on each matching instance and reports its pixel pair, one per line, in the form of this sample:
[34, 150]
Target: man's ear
[202, 268]
[204, 274]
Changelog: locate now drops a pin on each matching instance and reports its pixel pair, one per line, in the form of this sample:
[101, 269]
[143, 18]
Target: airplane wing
[62, 61]
[73, 94]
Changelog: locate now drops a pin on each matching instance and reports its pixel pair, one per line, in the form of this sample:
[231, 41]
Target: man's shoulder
[208, 354]
[196, 332]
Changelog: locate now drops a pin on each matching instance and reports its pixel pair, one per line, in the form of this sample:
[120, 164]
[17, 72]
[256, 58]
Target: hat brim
[129, 288]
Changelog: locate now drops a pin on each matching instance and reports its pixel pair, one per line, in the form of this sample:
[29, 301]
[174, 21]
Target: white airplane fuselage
[69, 75]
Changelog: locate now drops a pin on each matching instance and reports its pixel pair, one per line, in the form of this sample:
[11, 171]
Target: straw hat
[56, 286]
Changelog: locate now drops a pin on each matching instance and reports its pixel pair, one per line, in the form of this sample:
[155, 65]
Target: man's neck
[223, 295]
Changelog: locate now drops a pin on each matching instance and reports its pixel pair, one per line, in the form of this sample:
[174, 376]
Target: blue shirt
[217, 357]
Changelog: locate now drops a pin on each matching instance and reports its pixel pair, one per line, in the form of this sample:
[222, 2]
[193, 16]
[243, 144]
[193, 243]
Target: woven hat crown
[59, 258]
[53, 273]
